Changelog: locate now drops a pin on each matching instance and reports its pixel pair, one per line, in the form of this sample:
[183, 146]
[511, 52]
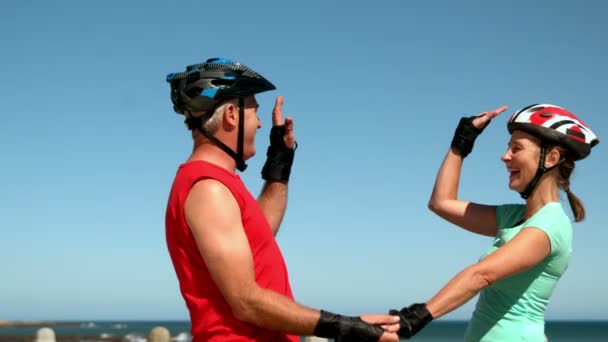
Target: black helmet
[202, 86]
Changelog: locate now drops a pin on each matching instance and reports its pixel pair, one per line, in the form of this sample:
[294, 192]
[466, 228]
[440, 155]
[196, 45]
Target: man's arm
[273, 201]
[276, 171]
[213, 216]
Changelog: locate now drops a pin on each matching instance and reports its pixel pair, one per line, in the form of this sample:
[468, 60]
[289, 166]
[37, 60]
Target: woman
[532, 243]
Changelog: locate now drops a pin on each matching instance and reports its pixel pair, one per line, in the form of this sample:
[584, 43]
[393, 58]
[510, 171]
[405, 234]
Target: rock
[314, 339]
[45, 335]
[159, 334]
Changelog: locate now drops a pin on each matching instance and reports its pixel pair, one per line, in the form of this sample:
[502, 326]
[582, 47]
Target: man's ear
[230, 118]
[552, 157]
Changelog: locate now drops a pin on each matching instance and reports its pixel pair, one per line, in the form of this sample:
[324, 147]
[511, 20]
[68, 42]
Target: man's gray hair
[212, 124]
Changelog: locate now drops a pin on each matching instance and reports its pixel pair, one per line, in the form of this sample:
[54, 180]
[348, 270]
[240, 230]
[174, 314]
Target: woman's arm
[477, 218]
[527, 249]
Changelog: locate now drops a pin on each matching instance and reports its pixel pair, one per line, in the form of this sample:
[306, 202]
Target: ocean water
[440, 331]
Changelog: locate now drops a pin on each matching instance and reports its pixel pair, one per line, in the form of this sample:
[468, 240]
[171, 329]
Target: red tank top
[210, 315]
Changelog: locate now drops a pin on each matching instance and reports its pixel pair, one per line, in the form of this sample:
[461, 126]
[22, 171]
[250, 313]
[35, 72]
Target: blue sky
[90, 144]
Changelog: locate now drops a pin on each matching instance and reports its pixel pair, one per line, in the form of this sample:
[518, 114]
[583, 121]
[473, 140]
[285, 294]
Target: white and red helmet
[555, 125]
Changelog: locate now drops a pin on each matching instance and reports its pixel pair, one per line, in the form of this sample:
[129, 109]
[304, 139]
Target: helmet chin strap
[539, 172]
[240, 163]
[238, 156]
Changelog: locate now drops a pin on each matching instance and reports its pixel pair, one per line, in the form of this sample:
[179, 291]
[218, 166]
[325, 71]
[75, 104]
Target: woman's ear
[552, 157]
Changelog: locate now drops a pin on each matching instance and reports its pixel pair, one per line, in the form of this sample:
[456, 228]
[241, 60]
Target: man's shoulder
[210, 188]
[210, 201]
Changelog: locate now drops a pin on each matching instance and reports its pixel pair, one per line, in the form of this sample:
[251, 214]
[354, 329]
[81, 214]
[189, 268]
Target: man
[221, 240]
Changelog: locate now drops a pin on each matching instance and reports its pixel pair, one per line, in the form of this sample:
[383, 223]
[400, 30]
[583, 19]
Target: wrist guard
[279, 157]
[344, 328]
[465, 135]
[412, 319]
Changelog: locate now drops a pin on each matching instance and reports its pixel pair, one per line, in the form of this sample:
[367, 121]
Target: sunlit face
[252, 124]
[521, 159]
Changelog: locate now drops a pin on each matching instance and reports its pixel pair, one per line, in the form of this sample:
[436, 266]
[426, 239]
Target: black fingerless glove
[344, 328]
[465, 135]
[412, 319]
[280, 158]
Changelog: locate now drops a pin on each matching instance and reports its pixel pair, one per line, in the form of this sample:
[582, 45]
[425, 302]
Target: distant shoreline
[79, 323]
[35, 324]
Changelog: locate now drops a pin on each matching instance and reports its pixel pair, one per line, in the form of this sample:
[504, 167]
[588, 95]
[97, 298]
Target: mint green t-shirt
[513, 309]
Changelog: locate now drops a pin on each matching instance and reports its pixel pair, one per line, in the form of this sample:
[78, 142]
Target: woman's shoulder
[552, 213]
[553, 210]
[553, 220]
